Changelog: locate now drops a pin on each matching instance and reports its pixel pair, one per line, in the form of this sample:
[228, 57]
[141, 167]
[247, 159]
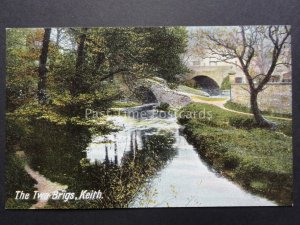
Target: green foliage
[190, 90]
[21, 82]
[118, 104]
[130, 52]
[75, 106]
[163, 106]
[167, 43]
[15, 131]
[230, 160]
[173, 85]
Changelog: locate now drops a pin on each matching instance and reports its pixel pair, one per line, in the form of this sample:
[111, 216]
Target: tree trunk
[42, 84]
[260, 120]
[58, 35]
[76, 82]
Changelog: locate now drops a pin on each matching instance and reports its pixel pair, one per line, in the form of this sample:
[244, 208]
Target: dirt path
[222, 102]
[43, 184]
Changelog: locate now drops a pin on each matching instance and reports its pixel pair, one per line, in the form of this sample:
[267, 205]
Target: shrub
[163, 106]
[231, 160]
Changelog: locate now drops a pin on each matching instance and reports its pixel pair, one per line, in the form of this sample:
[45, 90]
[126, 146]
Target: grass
[118, 104]
[209, 99]
[258, 159]
[189, 90]
[241, 108]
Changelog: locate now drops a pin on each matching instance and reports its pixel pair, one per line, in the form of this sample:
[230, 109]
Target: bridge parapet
[211, 68]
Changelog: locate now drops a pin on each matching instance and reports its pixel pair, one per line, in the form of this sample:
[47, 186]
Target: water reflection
[118, 164]
[121, 176]
[131, 138]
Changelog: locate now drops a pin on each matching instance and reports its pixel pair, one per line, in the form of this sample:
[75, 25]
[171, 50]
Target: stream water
[184, 179]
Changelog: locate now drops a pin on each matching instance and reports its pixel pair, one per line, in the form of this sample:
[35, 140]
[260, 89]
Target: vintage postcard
[137, 117]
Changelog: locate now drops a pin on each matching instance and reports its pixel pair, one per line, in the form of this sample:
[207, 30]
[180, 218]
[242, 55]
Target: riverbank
[16, 178]
[259, 160]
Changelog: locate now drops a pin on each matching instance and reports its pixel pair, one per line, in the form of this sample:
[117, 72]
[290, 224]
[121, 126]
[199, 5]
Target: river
[183, 180]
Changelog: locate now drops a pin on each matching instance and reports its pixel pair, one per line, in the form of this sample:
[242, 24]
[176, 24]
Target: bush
[67, 105]
[173, 85]
[163, 106]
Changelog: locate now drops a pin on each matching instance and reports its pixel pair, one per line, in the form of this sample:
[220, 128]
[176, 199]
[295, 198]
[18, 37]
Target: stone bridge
[157, 90]
[208, 77]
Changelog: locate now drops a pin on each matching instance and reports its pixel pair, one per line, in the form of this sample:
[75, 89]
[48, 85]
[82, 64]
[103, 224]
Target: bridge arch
[206, 84]
[152, 91]
[145, 95]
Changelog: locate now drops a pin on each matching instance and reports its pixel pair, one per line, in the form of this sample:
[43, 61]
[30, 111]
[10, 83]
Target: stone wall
[276, 97]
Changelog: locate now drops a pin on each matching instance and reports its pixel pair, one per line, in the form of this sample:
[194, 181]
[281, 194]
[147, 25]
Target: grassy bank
[260, 160]
[241, 108]
[209, 99]
[190, 90]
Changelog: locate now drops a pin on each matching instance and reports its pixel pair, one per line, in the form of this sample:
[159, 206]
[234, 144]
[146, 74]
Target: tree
[132, 52]
[256, 50]
[42, 95]
[167, 45]
[24, 49]
[77, 80]
[59, 35]
[225, 84]
[91, 66]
